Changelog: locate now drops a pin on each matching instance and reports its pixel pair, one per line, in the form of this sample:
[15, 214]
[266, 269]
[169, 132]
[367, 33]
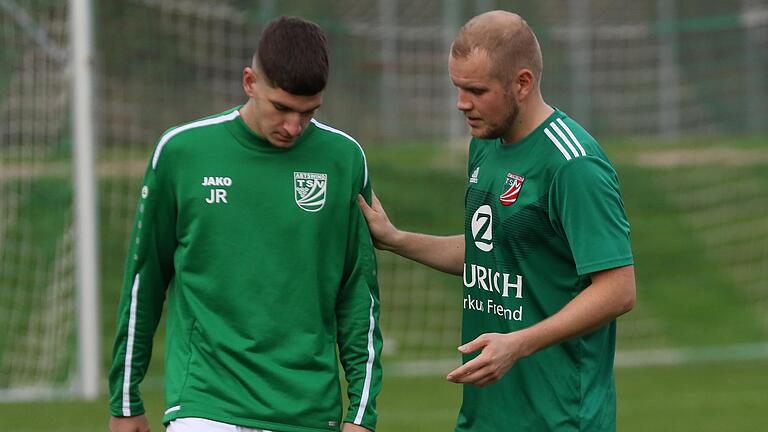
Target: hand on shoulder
[383, 232]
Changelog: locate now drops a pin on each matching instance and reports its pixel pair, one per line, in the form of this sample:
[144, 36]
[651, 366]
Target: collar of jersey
[250, 139]
[534, 135]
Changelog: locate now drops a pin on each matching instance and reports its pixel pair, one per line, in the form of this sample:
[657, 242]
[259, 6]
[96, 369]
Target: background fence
[676, 91]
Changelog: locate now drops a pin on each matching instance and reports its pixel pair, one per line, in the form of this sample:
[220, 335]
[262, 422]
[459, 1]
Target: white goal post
[50, 329]
[86, 221]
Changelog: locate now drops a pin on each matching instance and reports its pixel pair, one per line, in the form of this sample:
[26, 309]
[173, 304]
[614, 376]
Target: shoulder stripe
[129, 348]
[345, 135]
[573, 137]
[554, 127]
[200, 123]
[557, 143]
[368, 366]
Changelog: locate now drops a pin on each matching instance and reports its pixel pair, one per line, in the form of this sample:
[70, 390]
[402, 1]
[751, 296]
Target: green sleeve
[357, 314]
[148, 272]
[586, 208]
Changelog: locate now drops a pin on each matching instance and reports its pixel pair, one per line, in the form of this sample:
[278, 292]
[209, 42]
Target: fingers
[486, 368]
[374, 207]
[376, 204]
[459, 374]
[477, 372]
[474, 345]
[363, 204]
[470, 366]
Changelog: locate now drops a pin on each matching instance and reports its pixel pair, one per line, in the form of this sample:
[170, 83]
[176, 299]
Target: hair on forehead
[506, 38]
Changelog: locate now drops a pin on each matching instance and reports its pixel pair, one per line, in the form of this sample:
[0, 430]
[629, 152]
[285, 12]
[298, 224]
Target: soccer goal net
[37, 266]
[680, 87]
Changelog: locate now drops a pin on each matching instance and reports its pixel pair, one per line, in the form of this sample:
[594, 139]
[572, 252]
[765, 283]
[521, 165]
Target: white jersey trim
[573, 137]
[345, 135]
[368, 367]
[173, 409]
[557, 143]
[560, 133]
[200, 123]
[129, 348]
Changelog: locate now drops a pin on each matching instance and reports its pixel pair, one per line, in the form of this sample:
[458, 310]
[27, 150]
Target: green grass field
[702, 398]
[701, 283]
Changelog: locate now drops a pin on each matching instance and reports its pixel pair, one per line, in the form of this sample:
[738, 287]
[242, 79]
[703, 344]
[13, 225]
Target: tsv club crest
[512, 185]
[309, 190]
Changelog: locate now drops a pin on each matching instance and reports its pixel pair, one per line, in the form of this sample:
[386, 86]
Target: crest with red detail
[512, 185]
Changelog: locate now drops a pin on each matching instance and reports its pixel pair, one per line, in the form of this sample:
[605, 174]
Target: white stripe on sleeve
[573, 137]
[345, 135]
[129, 348]
[565, 140]
[557, 143]
[200, 123]
[368, 367]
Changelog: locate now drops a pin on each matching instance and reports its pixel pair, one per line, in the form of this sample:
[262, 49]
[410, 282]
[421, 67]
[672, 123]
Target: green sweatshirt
[268, 267]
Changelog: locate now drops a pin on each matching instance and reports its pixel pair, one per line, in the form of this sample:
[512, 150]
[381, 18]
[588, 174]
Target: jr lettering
[217, 196]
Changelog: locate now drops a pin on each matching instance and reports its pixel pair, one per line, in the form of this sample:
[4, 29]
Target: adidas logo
[473, 177]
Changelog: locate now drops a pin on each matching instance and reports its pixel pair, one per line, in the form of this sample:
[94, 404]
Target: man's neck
[248, 115]
[530, 117]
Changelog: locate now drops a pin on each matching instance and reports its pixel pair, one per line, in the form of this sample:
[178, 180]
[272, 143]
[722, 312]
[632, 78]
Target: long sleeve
[148, 272]
[357, 313]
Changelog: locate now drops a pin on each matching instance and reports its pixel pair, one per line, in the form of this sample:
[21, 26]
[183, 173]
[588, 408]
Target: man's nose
[292, 125]
[463, 101]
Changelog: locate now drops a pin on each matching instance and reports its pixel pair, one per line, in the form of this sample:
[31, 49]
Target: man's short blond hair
[508, 41]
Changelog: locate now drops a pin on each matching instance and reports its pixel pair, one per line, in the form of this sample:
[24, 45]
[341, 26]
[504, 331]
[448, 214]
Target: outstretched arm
[444, 253]
[611, 294]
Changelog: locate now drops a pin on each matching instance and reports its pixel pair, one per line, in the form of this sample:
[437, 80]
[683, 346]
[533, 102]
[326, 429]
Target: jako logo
[482, 228]
[217, 181]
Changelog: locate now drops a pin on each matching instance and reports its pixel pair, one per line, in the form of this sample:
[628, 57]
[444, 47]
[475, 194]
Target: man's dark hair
[293, 56]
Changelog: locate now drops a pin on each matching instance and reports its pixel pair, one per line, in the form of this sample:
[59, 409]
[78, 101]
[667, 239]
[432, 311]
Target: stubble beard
[498, 131]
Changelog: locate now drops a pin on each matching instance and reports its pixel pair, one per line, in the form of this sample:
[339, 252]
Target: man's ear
[250, 79]
[524, 83]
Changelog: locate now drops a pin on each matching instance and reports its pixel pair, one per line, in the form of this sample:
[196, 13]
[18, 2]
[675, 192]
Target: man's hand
[351, 427]
[383, 232]
[499, 353]
[137, 423]
[445, 253]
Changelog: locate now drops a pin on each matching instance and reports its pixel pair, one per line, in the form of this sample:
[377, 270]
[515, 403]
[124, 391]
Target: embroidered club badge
[309, 190]
[512, 186]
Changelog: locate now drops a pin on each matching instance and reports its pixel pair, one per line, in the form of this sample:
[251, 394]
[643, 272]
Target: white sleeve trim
[129, 348]
[200, 123]
[573, 137]
[368, 367]
[345, 135]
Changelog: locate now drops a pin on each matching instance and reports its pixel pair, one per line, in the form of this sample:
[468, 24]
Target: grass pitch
[701, 283]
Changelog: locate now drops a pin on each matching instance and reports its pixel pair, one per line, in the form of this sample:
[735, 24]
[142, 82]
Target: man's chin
[484, 134]
[282, 143]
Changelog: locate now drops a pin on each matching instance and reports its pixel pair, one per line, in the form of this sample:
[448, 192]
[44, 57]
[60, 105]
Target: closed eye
[476, 91]
[281, 108]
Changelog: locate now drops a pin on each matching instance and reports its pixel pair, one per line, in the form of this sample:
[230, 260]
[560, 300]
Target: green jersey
[268, 268]
[541, 216]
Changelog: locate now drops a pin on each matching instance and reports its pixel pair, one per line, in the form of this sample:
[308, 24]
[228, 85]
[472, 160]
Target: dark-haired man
[248, 222]
[545, 255]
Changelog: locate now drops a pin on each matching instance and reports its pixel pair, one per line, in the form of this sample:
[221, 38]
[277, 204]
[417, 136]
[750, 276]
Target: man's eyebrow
[282, 105]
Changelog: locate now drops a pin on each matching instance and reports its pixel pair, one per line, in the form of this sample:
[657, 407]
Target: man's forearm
[611, 294]
[444, 253]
